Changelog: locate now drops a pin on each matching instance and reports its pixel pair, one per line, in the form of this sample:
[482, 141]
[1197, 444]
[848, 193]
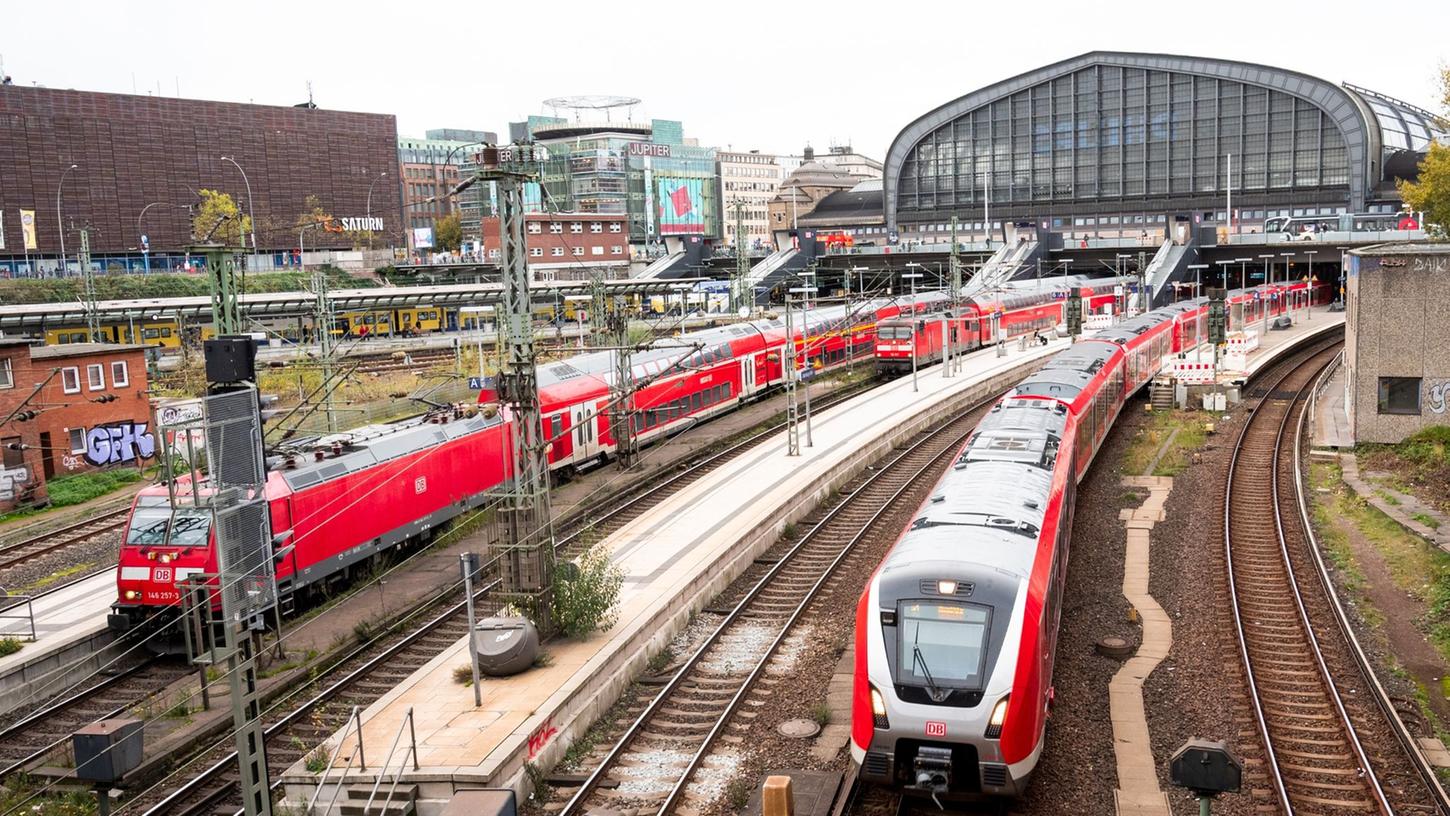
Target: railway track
[662, 762]
[1329, 747]
[207, 784]
[37, 735]
[55, 540]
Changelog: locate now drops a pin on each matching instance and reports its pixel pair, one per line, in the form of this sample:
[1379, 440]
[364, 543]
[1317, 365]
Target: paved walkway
[1331, 421]
[1401, 507]
[1138, 793]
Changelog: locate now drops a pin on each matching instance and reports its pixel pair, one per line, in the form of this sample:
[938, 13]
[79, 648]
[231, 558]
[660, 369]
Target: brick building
[569, 246]
[1397, 342]
[131, 151]
[71, 408]
[428, 168]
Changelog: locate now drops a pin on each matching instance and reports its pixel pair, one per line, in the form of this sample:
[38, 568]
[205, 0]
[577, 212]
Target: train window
[694, 402]
[155, 522]
[943, 644]
[150, 334]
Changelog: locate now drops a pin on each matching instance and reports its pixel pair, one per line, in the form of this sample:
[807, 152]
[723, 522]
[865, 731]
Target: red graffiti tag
[541, 737]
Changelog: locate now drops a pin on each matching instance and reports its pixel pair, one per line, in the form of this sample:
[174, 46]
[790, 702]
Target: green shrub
[82, 487]
[9, 646]
[586, 594]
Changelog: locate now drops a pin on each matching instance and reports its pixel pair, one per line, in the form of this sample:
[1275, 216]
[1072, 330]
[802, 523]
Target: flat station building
[1397, 340]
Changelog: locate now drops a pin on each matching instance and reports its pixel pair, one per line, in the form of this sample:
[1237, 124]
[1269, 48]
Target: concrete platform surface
[675, 558]
[1331, 419]
[1272, 345]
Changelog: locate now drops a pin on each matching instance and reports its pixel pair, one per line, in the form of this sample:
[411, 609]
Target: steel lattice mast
[529, 549]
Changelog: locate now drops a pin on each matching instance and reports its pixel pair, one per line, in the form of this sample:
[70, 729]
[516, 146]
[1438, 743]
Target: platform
[1331, 421]
[70, 625]
[675, 557]
[1310, 323]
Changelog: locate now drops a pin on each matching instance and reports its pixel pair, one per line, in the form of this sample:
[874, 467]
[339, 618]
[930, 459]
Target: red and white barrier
[1194, 373]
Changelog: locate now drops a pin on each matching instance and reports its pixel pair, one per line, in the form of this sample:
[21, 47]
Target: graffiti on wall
[1437, 393]
[119, 442]
[13, 480]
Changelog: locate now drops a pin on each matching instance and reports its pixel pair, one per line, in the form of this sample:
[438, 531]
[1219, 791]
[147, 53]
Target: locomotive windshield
[188, 526]
[894, 332]
[943, 645]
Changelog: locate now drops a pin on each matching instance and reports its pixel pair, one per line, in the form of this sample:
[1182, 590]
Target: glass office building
[1120, 135]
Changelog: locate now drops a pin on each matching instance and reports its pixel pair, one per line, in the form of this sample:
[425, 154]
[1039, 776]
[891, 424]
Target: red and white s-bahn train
[352, 496]
[1018, 308]
[1024, 307]
[956, 631]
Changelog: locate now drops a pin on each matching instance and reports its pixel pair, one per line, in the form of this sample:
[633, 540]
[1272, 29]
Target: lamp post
[912, 276]
[478, 327]
[1288, 277]
[251, 209]
[1118, 259]
[805, 293]
[377, 179]
[1309, 279]
[1264, 293]
[141, 235]
[60, 222]
[1243, 273]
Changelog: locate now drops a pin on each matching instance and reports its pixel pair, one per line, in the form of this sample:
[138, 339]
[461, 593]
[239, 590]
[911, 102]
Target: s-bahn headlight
[999, 718]
[878, 710]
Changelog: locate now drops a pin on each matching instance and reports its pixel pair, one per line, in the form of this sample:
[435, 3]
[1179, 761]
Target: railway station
[1087, 453]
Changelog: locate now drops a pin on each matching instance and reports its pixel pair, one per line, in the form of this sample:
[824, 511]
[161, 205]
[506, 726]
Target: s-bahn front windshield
[154, 524]
[943, 645]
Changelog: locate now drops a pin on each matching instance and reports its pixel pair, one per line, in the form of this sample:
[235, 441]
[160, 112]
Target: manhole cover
[799, 729]
[1113, 646]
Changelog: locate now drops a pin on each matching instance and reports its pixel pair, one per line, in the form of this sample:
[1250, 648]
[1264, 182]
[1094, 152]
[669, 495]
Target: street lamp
[912, 276]
[251, 210]
[59, 222]
[1264, 292]
[1288, 277]
[379, 178]
[805, 293]
[145, 242]
[1309, 279]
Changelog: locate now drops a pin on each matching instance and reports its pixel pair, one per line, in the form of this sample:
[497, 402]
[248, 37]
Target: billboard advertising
[422, 237]
[681, 206]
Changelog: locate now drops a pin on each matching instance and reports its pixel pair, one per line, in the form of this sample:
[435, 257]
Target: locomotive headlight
[878, 710]
[999, 717]
[165, 558]
[132, 594]
[946, 587]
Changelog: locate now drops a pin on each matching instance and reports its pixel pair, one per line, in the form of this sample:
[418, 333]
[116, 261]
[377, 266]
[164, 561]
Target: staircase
[400, 801]
[1005, 264]
[1160, 393]
[660, 266]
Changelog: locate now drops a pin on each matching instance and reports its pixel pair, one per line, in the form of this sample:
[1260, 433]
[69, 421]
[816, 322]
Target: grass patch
[463, 675]
[175, 284]
[82, 487]
[1146, 442]
[1429, 521]
[1420, 465]
[55, 577]
[1388, 498]
[15, 798]
[9, 646]
[821, 713]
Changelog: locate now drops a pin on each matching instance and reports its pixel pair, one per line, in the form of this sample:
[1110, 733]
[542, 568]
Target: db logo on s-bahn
[936, 729]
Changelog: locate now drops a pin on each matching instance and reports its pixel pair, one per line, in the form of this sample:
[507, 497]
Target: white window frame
[122, 379]
[557, 252]
[7, 375]
[576, 227]
[71, 437]
[615, 227]
[95, 377]
[73, 375]
[578, 251]
[616, 250]
[534, 228]
[556, 228]
[536, 252]
[597, 250]
[596, 227]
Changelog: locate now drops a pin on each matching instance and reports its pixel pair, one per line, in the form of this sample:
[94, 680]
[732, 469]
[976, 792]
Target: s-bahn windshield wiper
[918, 660]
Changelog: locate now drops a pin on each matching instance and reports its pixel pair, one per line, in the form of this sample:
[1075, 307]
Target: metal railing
[355, 717]
[6, 605]
[388, 760]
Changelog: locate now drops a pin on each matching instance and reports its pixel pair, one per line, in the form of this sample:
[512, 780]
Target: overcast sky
[768, 75]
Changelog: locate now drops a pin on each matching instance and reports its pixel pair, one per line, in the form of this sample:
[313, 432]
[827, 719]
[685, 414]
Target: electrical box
[231, 359]
[1074, 313]
[1206, 767]
[108, 749]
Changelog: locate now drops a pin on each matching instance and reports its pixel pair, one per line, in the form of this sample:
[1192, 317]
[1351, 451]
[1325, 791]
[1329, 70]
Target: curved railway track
[1329, 748]
[51, 541]
[652, 768]
[206, 784]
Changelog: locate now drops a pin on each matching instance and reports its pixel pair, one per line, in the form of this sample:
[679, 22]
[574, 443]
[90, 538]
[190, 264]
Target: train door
[585, 444]
[556, 433]
[747, 375]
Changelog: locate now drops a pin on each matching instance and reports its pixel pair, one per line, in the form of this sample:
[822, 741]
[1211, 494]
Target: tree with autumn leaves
[1430, 193]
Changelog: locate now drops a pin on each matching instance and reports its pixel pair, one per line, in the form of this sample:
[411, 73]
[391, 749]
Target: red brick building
[569, 246]
[70, 408]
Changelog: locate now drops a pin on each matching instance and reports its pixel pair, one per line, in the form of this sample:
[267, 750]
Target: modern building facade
[1108, 142]
[139, 160]
[1397, 343]
[752, 179]
[428, 169]
[664, 183]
